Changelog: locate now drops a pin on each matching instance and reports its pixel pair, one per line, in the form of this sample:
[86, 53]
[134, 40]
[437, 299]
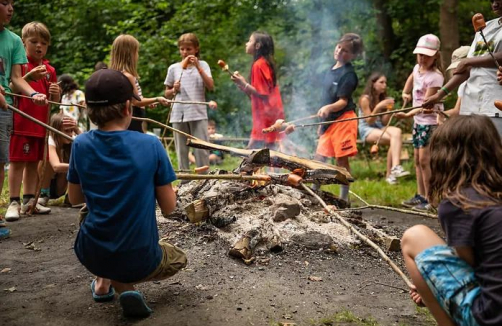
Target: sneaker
[12, 213]
[44, 201]
[391, 179]
[39, 209]
[423, 207]
[399, 172]
[412, 202]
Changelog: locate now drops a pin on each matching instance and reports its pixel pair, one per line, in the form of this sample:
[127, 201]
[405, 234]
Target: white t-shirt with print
[482, 88]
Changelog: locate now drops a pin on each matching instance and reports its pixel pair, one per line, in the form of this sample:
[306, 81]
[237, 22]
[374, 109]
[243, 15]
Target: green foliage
[305, 33]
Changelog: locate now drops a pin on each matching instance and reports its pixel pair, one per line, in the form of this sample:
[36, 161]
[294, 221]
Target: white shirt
[482, 88]
[192, 89]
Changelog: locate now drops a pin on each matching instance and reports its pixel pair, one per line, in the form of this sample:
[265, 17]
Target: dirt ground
[46, 285]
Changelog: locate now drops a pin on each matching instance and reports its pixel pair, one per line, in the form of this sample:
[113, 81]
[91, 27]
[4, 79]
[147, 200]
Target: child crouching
[120, 174]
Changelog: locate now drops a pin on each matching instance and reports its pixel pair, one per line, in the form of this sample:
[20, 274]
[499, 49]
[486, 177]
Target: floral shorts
[422, 134]
[451, 280]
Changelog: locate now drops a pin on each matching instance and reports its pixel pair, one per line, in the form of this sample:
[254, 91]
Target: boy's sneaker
[44, 201]
[12, 213]
[398, 171]
[412, 202]
[39, 209]
[391, 179]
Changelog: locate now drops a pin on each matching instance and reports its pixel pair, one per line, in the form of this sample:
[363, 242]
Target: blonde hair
[190, 38]
[124, 54]
[34, 29]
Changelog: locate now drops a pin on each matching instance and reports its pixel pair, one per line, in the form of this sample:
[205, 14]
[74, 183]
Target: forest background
[305, 33]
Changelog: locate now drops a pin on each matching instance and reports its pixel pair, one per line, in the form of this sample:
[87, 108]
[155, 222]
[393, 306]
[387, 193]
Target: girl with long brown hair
[460, 280]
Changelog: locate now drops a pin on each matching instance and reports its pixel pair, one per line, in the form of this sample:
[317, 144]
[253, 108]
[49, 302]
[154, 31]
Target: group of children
[118, 240]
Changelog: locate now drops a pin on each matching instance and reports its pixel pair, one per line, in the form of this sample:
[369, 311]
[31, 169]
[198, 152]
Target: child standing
[28, 138]
[118, 240]
[374, 100]
[266, 101]
[124, 57]
[338, 140]
[425, 80]
[189, 118]
[459, 281]
[72, 95]
[55, 184]
[12, 56]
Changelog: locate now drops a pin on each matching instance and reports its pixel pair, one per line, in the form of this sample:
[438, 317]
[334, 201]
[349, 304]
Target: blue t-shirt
[338, 83]
[118, 172]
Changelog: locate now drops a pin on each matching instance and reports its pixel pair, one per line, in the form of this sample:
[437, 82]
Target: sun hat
[457, 56]
[107, 87]
[427, 45]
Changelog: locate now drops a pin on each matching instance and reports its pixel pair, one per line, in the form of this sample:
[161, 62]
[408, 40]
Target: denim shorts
[5, 131]
[451, 280]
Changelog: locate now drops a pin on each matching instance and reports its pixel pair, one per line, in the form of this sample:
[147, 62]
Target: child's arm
[166, 198]
[144, 101]
[75, 193]
[208, 81]
[56, 164]
[364, 103]
[21, 86]
[408, 88]
[3, 103]
[245, 86]
[333, 107]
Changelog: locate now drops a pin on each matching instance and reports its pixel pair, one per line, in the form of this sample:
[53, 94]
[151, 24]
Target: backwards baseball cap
[457, 56]
[427, 45]
[107, 87]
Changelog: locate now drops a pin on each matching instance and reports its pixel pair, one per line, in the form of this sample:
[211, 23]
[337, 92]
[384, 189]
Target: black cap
[108, 87]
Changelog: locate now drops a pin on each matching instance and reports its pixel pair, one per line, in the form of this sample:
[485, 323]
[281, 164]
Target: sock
[344, 192]
[27, 197]
[45, 192]
[18, 199]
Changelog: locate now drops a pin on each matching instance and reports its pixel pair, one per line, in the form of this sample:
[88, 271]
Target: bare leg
[425, 167]
[395, 144]
[415, 240]
[49, 173]
[30, 178]
[389, 162]
[418, 169]
[15, 178]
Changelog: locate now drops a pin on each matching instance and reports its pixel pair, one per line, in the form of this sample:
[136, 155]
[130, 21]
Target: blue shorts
[451, 280]
[5, 131]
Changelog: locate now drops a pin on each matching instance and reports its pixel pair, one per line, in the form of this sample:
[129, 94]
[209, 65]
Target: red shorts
[26, 149]
[340, 138]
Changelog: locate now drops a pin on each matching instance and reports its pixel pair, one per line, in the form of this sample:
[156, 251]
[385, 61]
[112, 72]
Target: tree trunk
[448, 30]
[385, 30]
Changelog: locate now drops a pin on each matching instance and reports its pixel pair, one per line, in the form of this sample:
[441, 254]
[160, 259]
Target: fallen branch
[38, 122]
[257, 177]
[389, 261]
[400, 210]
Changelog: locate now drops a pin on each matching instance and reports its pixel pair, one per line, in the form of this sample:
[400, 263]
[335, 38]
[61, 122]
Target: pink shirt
[421, 82]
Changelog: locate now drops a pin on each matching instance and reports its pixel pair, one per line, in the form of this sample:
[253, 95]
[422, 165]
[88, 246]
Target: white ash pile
[250, 216]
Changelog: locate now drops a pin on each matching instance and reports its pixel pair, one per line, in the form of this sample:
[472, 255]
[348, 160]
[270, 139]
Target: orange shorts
[340, 138]
[26, 149]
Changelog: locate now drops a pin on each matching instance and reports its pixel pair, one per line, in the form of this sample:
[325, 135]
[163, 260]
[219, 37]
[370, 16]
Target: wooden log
[266, 157]
[244, 247]
[197, 211]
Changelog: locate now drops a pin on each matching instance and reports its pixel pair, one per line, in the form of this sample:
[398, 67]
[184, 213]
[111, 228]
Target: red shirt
[266, 110]
[23, 126]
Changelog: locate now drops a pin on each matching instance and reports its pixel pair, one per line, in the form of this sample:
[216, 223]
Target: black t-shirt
[339, 83]
[480, 229]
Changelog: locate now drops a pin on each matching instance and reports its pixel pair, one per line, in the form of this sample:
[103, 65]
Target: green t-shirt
[11, 53]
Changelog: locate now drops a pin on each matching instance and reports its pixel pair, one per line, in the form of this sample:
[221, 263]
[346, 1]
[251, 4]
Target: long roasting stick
[187, 176]
[357, 118]
[389, 261]
[46, 126]
[374, 148]
[165, 126]
[51, 102]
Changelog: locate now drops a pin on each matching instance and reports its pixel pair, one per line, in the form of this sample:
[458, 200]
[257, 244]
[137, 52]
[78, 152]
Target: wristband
[34, 93]
[445, 90]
